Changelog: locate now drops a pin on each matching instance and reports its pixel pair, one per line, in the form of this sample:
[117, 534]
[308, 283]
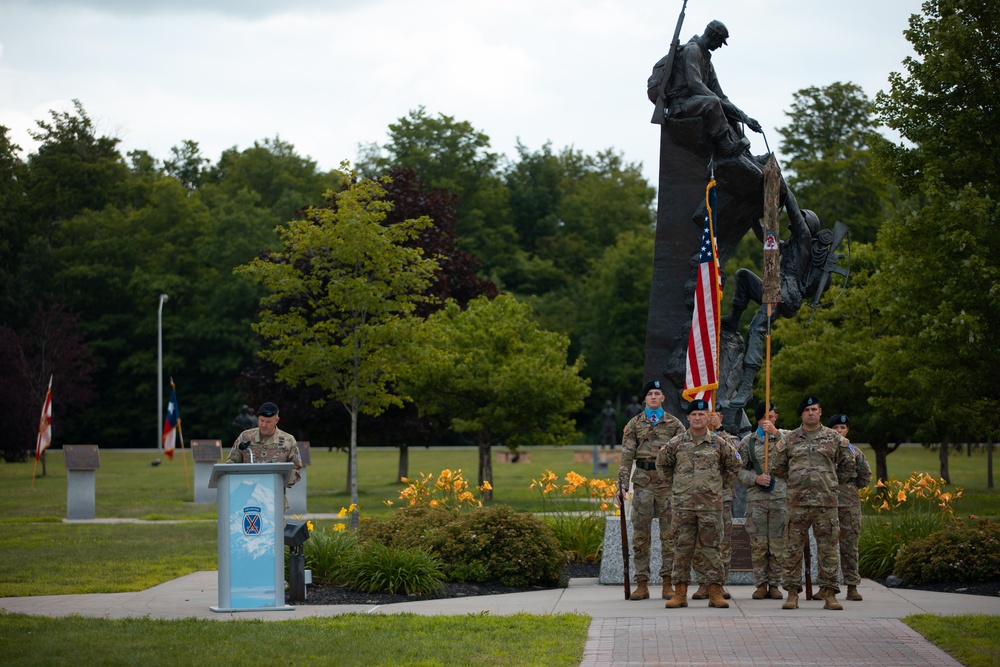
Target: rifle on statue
[621, 504]
[656, 87]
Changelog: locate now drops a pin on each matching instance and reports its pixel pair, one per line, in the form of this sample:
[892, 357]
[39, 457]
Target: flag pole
[44, 430]
[771, 293]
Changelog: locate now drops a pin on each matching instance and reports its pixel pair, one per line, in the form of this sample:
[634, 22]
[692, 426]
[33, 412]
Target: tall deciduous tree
[493, 374]
[341, 290]
[943, 260]
[828, 149]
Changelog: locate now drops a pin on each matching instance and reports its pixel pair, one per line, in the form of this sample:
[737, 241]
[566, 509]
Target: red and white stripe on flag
[45, 425]
[702, 371]
[170, 426]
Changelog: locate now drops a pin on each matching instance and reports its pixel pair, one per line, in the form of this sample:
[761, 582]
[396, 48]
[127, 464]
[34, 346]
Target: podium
[251, 498]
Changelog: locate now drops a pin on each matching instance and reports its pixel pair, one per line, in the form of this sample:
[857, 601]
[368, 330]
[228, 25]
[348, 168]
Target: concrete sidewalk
[750, 632]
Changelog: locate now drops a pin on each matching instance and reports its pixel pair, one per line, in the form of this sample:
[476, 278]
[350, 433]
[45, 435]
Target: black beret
[759, 412]
[267, 410]
[695, 405]
[652, 384]
[806, 402]
[837, 419]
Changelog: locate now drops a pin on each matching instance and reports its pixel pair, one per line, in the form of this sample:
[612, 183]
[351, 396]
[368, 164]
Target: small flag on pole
[45, 425]
[702, 369]
[170, 424]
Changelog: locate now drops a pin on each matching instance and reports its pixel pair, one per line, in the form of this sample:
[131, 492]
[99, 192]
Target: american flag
[702, 373]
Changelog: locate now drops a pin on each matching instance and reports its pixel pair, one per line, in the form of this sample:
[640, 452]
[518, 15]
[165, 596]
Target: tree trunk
[881, 462]
[404, 462]
[352, 467]
[943, 457]
[989, 464]
[485, 467]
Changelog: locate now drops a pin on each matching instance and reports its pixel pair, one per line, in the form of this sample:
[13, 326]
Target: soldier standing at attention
[696, 462]
[644, 435]
[814, 461]
[765, 504]
[849, 511]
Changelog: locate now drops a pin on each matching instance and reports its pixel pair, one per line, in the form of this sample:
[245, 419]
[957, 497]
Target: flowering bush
[578, 522]
[449, 491]
[904, 511]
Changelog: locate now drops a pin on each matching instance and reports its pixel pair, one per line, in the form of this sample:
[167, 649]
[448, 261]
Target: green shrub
[327, 553]
[959, 553]
[377, 568]
[514, 548]
[580, 536]
[883, 536]
[408, 527]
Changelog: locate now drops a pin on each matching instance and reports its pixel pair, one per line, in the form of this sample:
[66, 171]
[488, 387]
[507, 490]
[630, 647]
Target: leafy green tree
[941, 260]
[492, 373]
[340, 292]
[828, 144]
[187, 164]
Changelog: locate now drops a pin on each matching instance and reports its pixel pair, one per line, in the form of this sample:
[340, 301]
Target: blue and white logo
[251, 521]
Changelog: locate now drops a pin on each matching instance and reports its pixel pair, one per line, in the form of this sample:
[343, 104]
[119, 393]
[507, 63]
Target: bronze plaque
[209, 451]
[304, 452]
[82, 457]
[741, 561]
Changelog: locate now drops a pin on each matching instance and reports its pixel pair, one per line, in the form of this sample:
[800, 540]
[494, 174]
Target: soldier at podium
[267, 444]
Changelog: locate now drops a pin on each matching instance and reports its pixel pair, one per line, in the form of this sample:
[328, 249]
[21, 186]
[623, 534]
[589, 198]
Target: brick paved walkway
[739, 642]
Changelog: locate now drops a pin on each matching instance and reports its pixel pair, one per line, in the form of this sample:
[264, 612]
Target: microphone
[243, 444]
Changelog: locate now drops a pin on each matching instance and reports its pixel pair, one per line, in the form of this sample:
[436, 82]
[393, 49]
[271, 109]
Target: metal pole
[159, 373]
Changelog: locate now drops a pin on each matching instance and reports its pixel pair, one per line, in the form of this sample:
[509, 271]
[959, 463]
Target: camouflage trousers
[697, 539]
[850, 532]
[826, 529]
[650, 500]
[766, 528]
[726, 546]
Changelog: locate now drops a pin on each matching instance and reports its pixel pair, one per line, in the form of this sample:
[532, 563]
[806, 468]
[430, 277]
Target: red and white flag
[170, 424]
[45, 425]
[702, 368]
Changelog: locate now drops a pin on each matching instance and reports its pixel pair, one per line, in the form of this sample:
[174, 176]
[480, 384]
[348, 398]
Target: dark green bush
[378, 568]
[882, 537]
[327, 554]
[960, 553]
[496, 544]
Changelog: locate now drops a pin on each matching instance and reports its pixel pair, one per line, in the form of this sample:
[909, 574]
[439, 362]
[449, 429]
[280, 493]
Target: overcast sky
[328, 75]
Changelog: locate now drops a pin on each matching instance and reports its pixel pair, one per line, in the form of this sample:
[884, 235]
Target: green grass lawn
[972, 640]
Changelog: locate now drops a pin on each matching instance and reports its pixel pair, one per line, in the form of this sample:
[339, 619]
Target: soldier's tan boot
[680, 597]
[668, 590]
[774, 593]
[641, 592]
[820, 594]
[760, 593]
[715, 598]
[792, 602]
[853, 594]
[701, 593]
[830, 601]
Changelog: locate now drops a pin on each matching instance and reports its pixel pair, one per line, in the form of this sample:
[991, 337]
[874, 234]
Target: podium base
[226, 610]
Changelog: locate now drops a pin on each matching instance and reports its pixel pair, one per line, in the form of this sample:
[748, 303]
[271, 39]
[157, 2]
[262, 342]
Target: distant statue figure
[693, 91]
[633, 408]
[808, 257]
[608, 419]
[247, 418]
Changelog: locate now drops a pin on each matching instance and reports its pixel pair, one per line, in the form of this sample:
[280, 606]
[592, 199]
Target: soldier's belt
[646, 465]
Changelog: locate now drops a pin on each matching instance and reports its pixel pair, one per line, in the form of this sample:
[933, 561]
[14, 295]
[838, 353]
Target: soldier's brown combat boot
[641, 592]
[830, 601]
[774, 593]
[792, 602]
[760, 593]
[680, 598]
[668, 590]
[726, 594]
[820, 594]
[701, 593]
[715, 598]
[853, 594]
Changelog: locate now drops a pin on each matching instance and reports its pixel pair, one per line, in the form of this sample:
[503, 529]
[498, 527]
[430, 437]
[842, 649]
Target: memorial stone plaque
[304, 453]
[741, 561]
[82, 457]
[206, 450]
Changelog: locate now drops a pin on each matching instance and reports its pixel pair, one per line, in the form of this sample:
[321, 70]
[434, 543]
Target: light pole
[159, 372]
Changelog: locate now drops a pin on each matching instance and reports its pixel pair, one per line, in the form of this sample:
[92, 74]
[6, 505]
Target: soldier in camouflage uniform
[267, 444]
[644, 435]
[726, 548]
[814, 461]
[696, 463]
[849, 511]
[765, 504]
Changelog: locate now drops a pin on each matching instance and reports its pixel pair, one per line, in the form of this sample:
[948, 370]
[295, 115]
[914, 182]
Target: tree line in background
[89, 238]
